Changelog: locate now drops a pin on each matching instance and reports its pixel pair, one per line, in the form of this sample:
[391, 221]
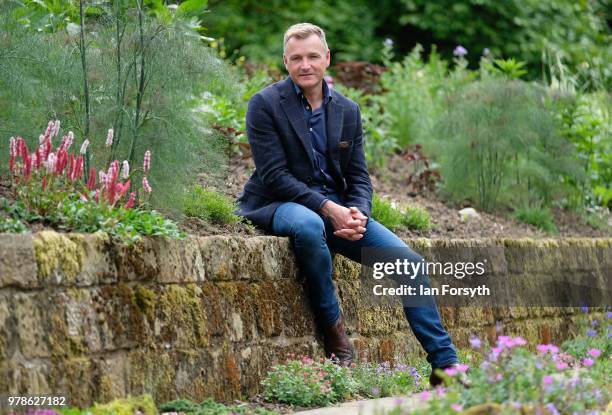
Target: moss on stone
[145, 300]
[142, 404]
[56, 253]
[182, 306]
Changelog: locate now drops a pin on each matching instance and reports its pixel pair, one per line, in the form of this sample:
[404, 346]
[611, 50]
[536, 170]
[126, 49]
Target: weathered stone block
[17, 264]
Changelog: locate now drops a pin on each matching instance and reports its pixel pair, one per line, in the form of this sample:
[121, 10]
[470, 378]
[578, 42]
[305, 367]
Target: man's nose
[305, 64]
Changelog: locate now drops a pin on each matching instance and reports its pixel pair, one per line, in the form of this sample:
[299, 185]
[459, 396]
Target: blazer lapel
[334, 120]
[295, 113]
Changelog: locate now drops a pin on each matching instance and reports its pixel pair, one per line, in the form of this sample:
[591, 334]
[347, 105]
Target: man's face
[306, 61]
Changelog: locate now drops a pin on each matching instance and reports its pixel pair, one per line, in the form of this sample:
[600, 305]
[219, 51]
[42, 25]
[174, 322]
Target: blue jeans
[314, 242]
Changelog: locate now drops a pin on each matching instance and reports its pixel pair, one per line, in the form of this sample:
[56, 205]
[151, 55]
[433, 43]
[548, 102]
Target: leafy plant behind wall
[498, 144]
[142, 73]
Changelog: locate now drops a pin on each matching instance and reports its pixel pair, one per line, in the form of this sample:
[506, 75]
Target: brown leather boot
[337, 343]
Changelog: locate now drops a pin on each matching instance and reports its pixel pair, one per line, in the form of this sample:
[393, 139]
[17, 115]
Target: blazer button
[309, 180]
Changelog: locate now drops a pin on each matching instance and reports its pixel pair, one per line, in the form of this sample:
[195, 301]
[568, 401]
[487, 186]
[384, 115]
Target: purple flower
[594, 323]
[475, 342]
[460, 51]
[584, 309]
[552, 409]
[462, 368]
[594, 352]
[587, 362]
[456, 407]
[561, 366]
[591, 333]
[499, 327]
[548, 380]
[609, 314]
[425, 395]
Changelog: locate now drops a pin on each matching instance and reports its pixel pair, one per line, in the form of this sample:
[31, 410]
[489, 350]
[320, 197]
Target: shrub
[148, 109]
[390, 215]
[306, 382]
[499, 144]
[12, 225]
[210, 407]
[379, 380]
[416, 218]
[537, 216]
[386, 212]
[378, 142]
[211, 206]
[51, 187]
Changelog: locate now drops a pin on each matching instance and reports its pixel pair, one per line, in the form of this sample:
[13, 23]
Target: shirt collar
[326, 93]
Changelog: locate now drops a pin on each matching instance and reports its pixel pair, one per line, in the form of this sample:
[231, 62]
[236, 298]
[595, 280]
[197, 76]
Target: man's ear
[327, 58]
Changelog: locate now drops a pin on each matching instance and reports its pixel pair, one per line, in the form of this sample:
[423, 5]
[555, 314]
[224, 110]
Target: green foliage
[416, 218]
[577, 32]
[210, 407]
[508, 68]
[129, 225]
[587, 123]
[537, 216]
[375, 121]
[255, 29]
[77, 215]
[415, 90]
[386, 212]
[306, 382]
[142, 404]
[380, 380]
[498, 143]
[9, 224]
[149, 107]
[393, 217]
[211, 206]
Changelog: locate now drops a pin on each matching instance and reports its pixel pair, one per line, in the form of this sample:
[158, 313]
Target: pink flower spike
[84, 147]
[146, 165]
[553, 349]
[457, 407]
[109, 138]
[91, 182]
[50, 163]
[125, 169]
[519, 341]
[561, 366]
[56, 128]
[497, 350]
[588, 362]
[145, 185]
[12, 147]
[548, 380]
[595, 352]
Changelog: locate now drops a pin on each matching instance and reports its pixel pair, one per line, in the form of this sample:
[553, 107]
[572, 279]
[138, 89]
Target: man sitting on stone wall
[311, 183]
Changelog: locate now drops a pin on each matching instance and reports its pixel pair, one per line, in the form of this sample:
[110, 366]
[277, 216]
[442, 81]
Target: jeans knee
[309, 228]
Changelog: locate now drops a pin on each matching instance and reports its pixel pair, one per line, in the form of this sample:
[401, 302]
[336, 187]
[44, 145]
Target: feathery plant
[143, 74]
[498, 144]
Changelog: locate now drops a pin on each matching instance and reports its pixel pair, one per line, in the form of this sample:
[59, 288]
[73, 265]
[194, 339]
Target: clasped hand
[349, 223]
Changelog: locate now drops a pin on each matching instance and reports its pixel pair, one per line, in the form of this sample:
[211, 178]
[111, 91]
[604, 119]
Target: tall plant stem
[83, 49]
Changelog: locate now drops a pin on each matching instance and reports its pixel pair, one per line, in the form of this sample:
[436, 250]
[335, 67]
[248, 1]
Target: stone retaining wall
[207, 316]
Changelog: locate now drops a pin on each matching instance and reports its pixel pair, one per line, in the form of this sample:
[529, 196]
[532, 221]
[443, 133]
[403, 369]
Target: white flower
[109, 138]
[125, 170]
[84, 146]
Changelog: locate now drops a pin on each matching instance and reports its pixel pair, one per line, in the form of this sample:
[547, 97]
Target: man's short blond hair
[302, 31]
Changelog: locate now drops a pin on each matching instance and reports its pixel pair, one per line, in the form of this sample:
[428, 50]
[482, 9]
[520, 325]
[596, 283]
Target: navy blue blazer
[282, 150]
